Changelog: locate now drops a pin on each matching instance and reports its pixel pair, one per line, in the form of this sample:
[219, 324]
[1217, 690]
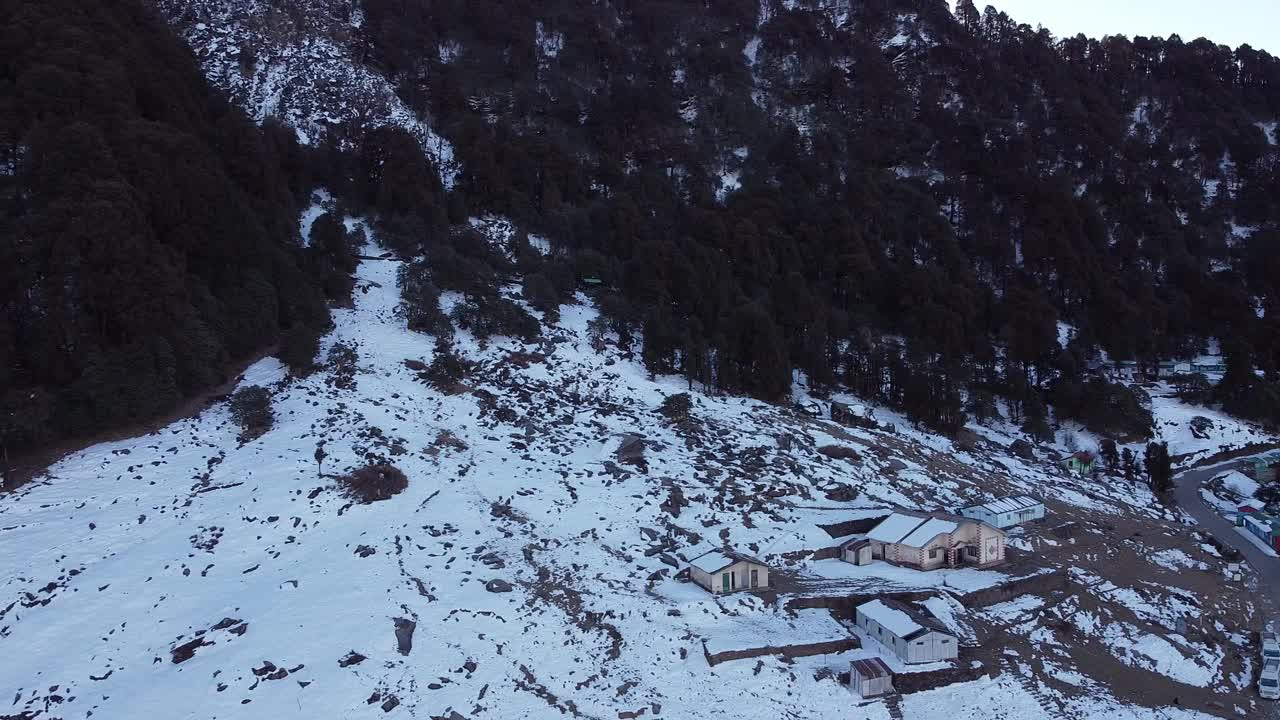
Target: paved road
[1186, 490]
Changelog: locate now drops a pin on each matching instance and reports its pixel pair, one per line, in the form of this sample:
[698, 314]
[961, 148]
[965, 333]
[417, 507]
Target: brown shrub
[375, 482]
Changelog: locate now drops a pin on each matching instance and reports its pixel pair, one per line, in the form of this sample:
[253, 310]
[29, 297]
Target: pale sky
[1225, 22]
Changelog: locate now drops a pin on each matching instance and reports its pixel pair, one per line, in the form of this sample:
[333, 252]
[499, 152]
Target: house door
[755, 578]
[724, 582]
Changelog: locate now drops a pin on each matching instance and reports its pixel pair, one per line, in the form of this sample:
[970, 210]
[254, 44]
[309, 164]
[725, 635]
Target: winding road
[1186, 490]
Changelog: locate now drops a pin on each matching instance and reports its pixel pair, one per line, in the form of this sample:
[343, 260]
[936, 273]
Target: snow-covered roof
[895, 527]
[895, 621]
[932, 528]
[712, 561]
[1013, 503]
[900, 619]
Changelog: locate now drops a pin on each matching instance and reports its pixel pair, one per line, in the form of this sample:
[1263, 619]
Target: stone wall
[965, 671]
[841, 606]
[787, 651]
[1037, 584]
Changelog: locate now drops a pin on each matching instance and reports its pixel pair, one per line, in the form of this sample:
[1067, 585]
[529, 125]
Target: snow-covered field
[187, 574]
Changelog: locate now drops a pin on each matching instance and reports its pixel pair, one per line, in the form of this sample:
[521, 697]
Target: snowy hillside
[528, 569]
[299, 64]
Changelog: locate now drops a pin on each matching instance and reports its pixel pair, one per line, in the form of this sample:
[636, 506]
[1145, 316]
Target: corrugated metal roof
[932, 528]
[905, 621]
[872, 667]
[1013, 503]
[714, 560]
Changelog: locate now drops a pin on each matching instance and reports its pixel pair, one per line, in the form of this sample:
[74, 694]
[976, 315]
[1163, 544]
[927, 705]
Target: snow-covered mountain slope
[300, 63]
[527, 569]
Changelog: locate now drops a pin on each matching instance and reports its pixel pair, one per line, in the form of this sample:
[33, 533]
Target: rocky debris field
[526, 567]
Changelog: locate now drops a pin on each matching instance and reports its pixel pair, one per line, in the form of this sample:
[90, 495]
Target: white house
[912, 634]
[726, 571]
[1007, 511]
[928, 541]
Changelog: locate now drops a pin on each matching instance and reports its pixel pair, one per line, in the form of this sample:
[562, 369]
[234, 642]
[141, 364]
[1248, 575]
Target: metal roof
[713, 560]
[1013, 503]
[872, 667]
[903, 620]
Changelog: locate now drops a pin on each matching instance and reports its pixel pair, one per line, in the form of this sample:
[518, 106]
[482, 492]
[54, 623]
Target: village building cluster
[973, 536]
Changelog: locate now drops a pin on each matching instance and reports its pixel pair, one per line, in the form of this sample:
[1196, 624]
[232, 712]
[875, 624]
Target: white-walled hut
[1006, 512]
[725, 571]
[911, 633]
[870, 678]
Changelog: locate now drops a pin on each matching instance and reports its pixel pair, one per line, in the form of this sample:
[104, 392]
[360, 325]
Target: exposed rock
[187, 650]
[498, 585]
[352, 658]
[841, 492]
[631, 451]
[839, 452]
[966, 439]
[365, 551]
[404, 635]
[1200, 427]
[1021, 448]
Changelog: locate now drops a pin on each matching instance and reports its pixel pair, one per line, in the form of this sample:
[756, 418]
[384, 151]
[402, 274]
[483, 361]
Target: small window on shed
[919, 642]
[944, 642]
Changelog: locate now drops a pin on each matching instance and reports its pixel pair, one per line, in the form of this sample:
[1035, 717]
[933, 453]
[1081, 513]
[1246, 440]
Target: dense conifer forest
[878, 194]
[149, 235]
[923, 196]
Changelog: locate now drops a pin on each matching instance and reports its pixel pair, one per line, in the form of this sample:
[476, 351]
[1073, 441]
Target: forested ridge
[149, 235]
[878, 194]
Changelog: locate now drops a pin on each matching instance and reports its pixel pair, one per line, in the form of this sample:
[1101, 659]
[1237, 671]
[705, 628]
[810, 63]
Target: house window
[933, 553]
[755, 578]
[971, 551]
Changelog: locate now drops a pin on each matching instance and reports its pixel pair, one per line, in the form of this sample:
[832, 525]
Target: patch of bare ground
[1109, 562]
[373, 483]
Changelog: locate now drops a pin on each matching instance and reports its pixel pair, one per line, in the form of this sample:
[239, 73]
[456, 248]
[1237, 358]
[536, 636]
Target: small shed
[870, 678]
[1080, 463]
[856, 551]
[1007, 511]
[725, 571]
[911, 633]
